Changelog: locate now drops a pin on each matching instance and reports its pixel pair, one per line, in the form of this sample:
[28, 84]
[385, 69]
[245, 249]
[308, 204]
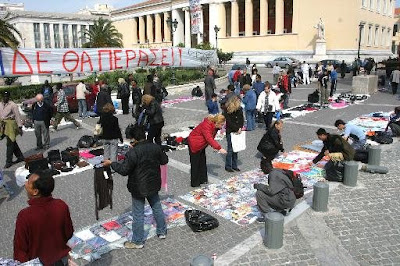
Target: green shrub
[19, 93]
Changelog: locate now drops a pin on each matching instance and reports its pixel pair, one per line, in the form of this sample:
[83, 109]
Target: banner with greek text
[196, 16]
[24, 62]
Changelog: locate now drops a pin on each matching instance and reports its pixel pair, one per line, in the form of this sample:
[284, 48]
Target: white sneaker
[162, 236]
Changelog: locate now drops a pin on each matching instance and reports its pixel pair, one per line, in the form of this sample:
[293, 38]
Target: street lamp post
[360, 27]
[173, 25]
[216, 29]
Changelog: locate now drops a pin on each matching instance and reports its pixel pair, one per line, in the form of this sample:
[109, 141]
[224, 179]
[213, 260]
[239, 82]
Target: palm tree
[8, 34]
[102, 34]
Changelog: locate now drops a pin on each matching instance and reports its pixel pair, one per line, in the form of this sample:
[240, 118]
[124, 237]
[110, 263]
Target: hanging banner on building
[196, 16]
[67, 61]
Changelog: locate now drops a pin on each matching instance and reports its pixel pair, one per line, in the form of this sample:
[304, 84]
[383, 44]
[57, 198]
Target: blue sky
[75, 5]
[69, 5]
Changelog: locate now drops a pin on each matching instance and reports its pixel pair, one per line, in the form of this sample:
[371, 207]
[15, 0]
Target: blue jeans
[82, 108]
[231, 157]
[138, 217]
[286, 101]
[251, 120]
[237, 88]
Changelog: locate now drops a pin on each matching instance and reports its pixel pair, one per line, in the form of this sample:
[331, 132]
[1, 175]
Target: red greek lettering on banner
[129, 58]
[153, 51]
[163, 55]
[38, 62]
[143, 54]
[67, 60]
[14, 69]
[116, 59]
[100, 52]
[85, 58]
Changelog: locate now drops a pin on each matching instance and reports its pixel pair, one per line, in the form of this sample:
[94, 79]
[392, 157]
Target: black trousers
[125, 105]
[13, 149]
[154, 134]
[268, 119]
[198, 168]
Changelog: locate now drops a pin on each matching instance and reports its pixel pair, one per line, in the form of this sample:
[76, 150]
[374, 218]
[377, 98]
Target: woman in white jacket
[268, 104]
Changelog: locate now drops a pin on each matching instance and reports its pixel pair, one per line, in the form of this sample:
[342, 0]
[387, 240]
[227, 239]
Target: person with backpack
[270, 145]
[278, 195]
[338, 150]
[125, 93]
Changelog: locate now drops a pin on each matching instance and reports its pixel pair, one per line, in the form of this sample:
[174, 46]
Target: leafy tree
[181, 45]
[102, 34]
[8, 34]
[222, 57]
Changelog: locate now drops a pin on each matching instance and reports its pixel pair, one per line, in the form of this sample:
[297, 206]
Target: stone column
[179, 34]
[221, 20]
[264, 17]
[142, 28]
[149, 30]
[188, 40]
[134, 31]
[234, 18]
[279, 16]
[248, 31]
[70, 39]
[167, 28]
[213, 21]
[157, 18]
[295, 16]
[52, 42]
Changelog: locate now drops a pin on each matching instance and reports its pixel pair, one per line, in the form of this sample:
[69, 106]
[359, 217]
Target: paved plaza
[361, 226]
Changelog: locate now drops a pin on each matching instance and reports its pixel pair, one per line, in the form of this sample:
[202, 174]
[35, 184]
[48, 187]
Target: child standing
[212, 104]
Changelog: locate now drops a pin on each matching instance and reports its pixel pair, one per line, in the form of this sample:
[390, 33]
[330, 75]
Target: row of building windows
[375, 36]
[384, 7]
[56, 35]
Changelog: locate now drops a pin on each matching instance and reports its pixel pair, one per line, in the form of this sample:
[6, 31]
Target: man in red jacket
[43, 229]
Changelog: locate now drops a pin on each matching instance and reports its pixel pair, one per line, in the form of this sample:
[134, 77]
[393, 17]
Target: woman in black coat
[270, 145]
[155, 118]
[102, 98]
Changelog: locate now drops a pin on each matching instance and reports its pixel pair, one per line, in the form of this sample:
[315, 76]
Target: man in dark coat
[142, 166]
[338, 150]
[41, 116]
[278, 195]
[270, 145]
[209, 84]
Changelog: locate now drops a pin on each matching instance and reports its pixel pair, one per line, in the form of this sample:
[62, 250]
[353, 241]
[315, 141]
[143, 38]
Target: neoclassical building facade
[264, 29]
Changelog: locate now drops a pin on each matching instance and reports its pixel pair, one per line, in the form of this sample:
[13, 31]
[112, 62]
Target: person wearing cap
[338, 150]
[10, 127]
[209, 84]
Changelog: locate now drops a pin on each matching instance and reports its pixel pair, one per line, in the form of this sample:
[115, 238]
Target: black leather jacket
[142, 166]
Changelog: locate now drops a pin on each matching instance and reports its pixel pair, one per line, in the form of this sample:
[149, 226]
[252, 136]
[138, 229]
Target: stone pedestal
[320, 50]
[367, 84]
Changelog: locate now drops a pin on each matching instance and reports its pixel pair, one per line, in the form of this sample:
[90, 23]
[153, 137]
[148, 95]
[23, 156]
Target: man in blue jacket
[333, 77]
[250, 101]
[142, 166]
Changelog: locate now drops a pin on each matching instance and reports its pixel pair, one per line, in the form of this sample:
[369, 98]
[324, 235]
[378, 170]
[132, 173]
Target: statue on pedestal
[321, 29]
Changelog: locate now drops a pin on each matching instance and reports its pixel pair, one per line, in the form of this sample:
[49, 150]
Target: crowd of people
[244, 98]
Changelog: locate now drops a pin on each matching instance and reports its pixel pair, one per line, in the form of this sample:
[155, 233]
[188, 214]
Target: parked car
[283, 62]
[238, 67]
[336, 63]
[70, 91]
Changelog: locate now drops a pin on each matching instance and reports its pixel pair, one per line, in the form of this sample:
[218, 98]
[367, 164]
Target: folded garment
[97, 152]
[86, 154]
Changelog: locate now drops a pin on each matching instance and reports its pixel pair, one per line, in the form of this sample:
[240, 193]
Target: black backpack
[383, 138]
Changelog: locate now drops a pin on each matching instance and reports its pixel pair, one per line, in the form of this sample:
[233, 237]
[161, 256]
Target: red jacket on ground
[42, 231]
[202, 136]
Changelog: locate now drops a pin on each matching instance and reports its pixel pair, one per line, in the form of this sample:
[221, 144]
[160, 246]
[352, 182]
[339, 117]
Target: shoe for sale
[229, 170]
[162, 236]
[131, 245]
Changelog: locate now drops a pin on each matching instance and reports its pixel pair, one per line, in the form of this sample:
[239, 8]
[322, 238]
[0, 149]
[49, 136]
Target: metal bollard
[201, 260]
[273, 230]
[374, 155]
[320, 196]
[350, 173]
[375, 169]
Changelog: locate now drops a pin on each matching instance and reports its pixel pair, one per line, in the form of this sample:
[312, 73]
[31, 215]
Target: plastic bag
[238, 141]
[200, 221]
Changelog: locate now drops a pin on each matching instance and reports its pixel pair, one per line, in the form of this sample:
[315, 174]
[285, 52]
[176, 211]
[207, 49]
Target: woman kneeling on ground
[198, 140]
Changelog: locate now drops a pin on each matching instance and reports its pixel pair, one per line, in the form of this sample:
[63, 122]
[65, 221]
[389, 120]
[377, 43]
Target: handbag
[54, 156]
[238, 141]
[31, 158]
[200, 221]
[38, 165]
[98, 130]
